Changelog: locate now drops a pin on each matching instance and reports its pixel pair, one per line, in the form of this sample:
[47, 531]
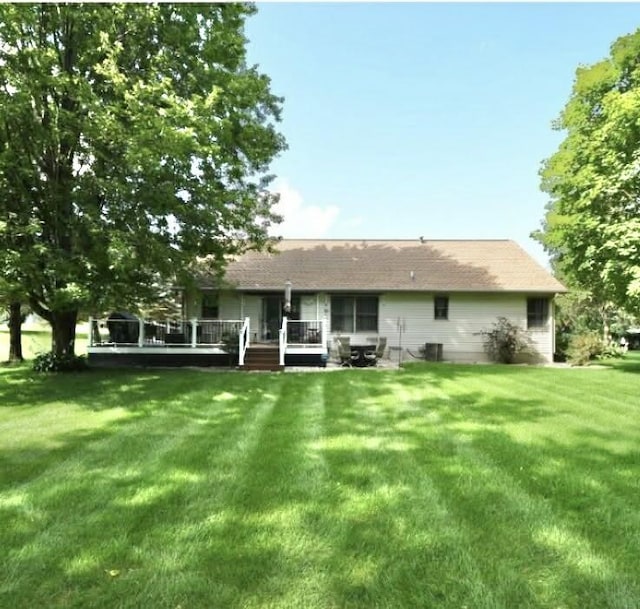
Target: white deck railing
[302, 334]
[139, 332]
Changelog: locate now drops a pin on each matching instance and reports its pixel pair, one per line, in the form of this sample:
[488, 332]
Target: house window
[354, 313]
[441, 307]
[210, 308]
[537, 312]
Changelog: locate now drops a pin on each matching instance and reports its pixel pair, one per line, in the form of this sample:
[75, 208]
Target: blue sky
[423, 119]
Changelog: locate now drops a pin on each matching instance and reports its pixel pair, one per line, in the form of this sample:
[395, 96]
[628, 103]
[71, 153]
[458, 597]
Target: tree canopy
[592, 223]
[134, 138]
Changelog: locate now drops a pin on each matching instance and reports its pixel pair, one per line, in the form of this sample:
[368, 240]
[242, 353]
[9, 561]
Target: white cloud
[300, 220]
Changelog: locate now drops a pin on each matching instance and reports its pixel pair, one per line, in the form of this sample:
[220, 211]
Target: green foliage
[144, 143]
[51, 362]
[578, 312]
[611, 350]
[505, 341]
[586, 347]
[592, 223]
[231, 345]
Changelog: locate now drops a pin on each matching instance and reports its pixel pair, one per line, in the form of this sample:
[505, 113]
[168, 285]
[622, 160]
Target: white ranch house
[413, 292]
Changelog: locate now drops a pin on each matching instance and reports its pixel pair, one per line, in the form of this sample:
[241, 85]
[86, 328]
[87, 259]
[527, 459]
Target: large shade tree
[592, 223]
[134, 138]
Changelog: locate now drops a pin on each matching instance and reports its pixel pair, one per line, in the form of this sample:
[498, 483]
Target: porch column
[323, 333]
[283, 340]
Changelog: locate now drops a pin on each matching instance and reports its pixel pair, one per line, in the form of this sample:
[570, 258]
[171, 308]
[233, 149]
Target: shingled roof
[399, 265]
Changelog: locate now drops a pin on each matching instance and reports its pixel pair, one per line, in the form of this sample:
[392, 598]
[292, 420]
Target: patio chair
[345, 354]
[374, 356]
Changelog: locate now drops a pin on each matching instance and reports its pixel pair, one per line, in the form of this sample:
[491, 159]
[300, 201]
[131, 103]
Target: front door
[273, 312]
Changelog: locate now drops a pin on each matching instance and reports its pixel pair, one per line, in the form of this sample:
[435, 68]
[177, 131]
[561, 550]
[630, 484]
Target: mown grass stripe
[436, 486]
[382, 565]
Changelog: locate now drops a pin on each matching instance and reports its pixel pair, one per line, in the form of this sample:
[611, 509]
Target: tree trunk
[15, 332]
[63, 335]
[606, 330]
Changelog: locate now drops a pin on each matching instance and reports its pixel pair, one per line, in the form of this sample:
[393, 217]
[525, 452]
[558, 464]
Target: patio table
[362, 361]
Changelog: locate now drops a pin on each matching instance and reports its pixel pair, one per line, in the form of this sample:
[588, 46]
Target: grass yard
[436, 486]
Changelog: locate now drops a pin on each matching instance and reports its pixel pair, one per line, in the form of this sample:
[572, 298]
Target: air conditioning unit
[433, 352]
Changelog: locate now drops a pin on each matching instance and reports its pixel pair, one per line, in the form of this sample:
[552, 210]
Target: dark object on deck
[175, 338]
[123, 327]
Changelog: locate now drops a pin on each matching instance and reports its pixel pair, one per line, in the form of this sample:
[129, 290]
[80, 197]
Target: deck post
[283, 340]
[323, 333]
[243, 341]
[194, 334]
[141, 332]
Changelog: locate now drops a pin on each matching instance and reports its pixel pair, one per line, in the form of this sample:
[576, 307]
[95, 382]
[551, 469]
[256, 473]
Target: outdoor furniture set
[360, 355]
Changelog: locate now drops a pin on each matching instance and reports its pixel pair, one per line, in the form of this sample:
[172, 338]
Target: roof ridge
[404, 239]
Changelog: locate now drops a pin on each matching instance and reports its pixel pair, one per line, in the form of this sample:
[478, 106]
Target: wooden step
[262, 357]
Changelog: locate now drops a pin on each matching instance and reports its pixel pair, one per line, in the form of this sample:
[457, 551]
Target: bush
[611, 350]
[505, 341]
[231, 345]
[50, 362]
[584, 348]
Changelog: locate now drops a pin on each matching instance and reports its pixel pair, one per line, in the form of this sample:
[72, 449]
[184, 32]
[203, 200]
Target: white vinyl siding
[407, 320]
[229, 305]
[310, 307]
[468, 315]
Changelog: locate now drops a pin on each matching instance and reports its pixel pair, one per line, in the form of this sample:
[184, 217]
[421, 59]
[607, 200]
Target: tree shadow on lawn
[94, 389]
[439, 392]
[124, 403]
[324, 493]
[581, 494]
[629, 363]
[142, 499]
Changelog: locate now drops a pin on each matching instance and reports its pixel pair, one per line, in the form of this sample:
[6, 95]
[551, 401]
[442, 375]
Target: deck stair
[262, 357]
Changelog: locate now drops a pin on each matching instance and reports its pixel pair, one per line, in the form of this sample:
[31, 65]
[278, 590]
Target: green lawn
[434, 486]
